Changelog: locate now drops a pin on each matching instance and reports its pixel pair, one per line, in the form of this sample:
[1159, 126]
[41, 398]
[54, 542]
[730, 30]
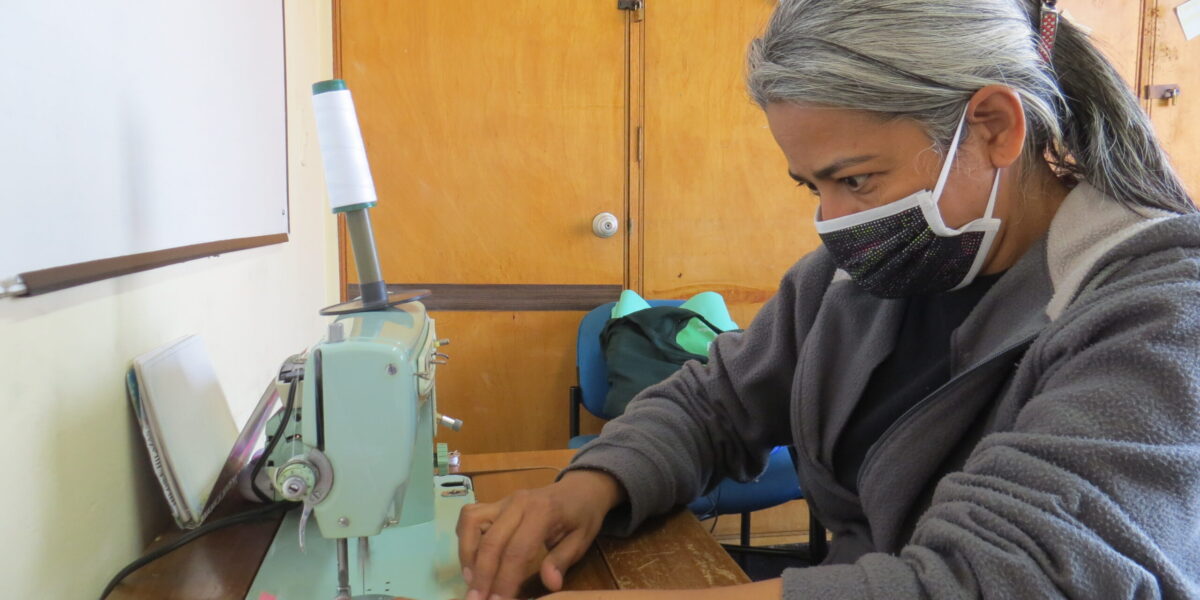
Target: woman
[989, 370]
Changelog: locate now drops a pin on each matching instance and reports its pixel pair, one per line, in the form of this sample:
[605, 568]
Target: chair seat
[778, 484]
[578, 441]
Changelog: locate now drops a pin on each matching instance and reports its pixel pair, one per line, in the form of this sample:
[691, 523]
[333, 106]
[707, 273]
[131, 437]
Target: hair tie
[1048, 29]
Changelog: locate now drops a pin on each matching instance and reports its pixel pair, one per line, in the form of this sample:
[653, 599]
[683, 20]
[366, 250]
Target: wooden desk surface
[670, 552]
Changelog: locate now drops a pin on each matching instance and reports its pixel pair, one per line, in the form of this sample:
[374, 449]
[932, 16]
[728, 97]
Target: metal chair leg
[746, 529]
[575, 398]
[818, 546]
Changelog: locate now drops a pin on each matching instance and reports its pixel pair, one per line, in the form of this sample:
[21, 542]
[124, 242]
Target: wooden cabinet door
[719, 210]
[1174, 60]
[496, 131]
[1113, 27]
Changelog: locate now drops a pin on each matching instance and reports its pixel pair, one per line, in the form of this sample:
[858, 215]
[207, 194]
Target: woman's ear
[997, 121]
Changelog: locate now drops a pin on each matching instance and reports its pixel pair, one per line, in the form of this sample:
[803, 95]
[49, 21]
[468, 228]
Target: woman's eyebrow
[828, 171]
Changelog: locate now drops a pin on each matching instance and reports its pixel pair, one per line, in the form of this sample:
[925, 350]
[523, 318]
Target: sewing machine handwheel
[357, 305]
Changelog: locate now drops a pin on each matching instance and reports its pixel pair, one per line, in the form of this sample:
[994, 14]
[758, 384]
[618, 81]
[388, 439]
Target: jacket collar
[1085, 229]
[1012, 310]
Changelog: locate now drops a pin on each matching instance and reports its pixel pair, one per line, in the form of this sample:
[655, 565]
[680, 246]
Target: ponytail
[1107, 139]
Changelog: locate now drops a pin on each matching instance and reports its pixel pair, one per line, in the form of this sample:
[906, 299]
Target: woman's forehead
[809, 135]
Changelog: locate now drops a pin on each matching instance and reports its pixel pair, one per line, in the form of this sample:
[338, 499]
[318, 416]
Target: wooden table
[670, 552]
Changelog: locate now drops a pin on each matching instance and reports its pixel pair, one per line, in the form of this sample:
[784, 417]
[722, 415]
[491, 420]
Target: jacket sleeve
[1093, 493]
[715, 420]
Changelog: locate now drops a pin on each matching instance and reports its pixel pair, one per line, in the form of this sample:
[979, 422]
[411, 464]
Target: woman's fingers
[525, 548]
[473, 521]
[566, 553]
[501, 544]
[493, 545]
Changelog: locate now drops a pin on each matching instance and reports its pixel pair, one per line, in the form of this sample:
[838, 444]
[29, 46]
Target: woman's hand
[499, 542]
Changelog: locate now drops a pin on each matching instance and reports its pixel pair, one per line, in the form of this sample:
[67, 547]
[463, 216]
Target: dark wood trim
[57, 278]
[504, 297]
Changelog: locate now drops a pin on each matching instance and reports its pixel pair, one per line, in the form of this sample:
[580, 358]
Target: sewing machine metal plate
[419, 561]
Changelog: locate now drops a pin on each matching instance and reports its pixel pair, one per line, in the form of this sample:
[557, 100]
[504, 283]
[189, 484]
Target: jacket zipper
[908, 414]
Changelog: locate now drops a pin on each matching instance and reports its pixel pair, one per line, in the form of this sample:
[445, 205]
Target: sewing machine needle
[364, 558]
[343, 570]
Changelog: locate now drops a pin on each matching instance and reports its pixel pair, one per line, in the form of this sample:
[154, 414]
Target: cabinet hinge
[634, 6]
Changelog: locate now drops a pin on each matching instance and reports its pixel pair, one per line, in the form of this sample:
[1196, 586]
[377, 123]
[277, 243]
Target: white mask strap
[987, 214]
[941, 182]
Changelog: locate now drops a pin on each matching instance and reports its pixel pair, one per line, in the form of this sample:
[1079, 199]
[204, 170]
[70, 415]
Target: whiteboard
[131, 126]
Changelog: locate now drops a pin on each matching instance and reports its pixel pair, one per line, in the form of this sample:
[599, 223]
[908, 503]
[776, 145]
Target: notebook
[187, 426]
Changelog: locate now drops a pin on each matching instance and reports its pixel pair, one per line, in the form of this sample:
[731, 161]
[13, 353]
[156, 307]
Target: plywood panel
[508, 379]
[1174, 60]
[671, 552]
[496, 131]
[720, 211]
[1113, 28]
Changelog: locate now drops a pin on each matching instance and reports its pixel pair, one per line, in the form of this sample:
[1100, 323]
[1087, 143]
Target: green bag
[641, 350]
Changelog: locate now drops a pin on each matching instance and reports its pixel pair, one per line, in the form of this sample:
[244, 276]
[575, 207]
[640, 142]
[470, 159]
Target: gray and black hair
[923, 60]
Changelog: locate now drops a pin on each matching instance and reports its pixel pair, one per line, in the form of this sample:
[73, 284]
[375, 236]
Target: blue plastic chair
[778, 484]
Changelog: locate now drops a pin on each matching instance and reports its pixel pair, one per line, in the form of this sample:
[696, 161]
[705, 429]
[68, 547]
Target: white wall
[78, 499]
[95, 138]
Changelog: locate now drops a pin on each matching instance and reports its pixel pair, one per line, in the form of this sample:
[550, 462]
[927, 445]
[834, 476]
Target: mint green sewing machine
[357, 449]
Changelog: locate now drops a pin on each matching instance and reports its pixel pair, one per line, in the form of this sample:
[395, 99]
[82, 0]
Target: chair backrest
[589, 357]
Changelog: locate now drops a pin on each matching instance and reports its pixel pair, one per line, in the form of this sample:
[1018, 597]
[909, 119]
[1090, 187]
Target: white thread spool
[347, 173]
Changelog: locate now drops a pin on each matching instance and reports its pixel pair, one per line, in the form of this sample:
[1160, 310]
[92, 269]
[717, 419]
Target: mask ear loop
[989, 235]
[945, 174]
[987, 214]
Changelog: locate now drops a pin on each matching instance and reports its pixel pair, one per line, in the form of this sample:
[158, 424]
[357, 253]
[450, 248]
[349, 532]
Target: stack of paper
[187, 425]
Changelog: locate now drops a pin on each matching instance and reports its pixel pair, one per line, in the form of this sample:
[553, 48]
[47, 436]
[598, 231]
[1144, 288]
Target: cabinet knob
[605, 225]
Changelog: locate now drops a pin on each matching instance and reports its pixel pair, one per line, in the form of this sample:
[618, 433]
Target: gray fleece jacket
[1061, 460]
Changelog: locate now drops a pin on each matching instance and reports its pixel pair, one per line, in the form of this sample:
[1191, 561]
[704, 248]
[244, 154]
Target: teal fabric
[695, 336]
[629, 302]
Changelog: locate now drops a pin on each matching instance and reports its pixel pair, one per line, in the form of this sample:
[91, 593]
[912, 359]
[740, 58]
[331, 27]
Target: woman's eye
[855, 183]
[812, 188]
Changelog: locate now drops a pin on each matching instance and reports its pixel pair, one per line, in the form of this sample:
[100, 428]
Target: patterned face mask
[903, 248]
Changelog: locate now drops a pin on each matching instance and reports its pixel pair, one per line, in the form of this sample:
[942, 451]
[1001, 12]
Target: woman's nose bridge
[828, 209]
